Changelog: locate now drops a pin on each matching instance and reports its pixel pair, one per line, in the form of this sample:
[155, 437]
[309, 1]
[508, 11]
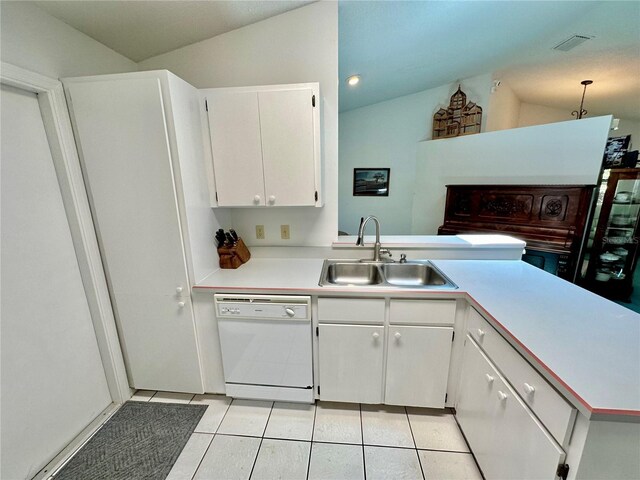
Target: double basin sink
[363, 273]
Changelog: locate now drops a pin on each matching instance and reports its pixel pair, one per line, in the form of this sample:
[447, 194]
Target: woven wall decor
[459, 118]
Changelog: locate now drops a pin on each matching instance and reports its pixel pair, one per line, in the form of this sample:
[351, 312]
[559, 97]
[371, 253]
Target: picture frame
[371, 182]
[615, 151]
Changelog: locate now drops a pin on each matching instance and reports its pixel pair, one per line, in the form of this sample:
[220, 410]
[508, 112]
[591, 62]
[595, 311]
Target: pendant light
[581, 112]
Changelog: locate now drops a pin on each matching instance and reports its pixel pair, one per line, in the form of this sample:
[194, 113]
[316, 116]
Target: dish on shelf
[603, 275]
[621, 220]
[609, 257]
[621, 252]
[622, 197]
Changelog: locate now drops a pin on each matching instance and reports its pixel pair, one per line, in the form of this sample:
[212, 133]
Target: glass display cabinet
[612, 250]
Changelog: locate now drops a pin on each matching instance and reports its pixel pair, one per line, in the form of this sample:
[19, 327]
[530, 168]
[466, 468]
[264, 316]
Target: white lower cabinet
[351, 362]
[417, 365]
[508, 441]
[365, 358]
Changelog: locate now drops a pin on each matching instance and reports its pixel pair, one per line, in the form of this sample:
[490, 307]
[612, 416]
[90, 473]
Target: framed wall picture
[371, 182]
[615, 151]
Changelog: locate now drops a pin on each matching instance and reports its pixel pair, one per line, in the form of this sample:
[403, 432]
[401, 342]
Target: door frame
[57, 125]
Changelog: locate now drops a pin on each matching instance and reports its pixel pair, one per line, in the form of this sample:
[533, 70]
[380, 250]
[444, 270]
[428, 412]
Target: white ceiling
[402, 47]
[405, 47]
[142, 29]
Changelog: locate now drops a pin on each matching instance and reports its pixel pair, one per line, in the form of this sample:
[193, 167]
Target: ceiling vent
[571, 42]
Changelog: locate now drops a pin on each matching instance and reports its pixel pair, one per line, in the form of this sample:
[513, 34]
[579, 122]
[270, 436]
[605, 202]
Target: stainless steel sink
[419, 274]
[353, 274]
[414, 274]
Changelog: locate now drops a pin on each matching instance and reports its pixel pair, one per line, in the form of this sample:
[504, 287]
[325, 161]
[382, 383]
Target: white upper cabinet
[234, 128]
[265, 144]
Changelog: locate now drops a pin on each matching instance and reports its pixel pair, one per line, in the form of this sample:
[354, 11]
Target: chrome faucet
[376, 246]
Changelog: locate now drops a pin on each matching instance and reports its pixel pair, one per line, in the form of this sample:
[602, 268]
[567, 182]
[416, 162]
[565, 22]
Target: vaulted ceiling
[402, 47]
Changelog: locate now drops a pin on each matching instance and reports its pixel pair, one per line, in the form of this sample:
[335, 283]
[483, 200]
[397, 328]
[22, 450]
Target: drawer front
[550, 407]
[423, 312]
[351, 310]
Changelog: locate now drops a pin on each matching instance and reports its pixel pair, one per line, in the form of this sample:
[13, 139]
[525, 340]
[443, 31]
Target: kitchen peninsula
[586, 349]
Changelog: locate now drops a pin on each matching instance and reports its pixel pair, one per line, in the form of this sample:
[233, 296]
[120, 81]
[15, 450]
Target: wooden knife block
[233, 257]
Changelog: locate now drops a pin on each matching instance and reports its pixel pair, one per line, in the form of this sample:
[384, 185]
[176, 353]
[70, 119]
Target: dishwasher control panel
[262, 306]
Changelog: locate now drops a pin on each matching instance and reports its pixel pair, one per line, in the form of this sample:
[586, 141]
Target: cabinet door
[122, 137]
[474, 410]
[286, 120]
[123, 141]
[234, 128]
[350, 363]
[418, 366]
[158, 341]
[506, 438]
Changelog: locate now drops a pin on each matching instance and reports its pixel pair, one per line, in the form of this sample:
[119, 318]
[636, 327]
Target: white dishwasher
[266, 346]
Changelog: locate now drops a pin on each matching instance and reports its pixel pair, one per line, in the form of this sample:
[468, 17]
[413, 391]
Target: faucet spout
[376, 245]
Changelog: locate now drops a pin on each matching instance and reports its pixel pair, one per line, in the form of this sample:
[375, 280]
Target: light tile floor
[246, 439]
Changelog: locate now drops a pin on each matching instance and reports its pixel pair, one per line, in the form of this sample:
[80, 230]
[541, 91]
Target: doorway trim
[57, 124]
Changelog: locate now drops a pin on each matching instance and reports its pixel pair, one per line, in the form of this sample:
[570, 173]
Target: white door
[53, 382]
[350, 366]
[418, 365]
[124, 146]
[286, 121]
[234, 128]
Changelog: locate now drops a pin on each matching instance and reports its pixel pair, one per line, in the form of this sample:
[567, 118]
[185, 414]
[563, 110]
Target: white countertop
[586, 346]
[434, 241]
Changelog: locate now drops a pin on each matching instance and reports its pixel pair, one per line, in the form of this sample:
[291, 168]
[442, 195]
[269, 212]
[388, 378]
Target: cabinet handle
[256, 199]
[180, 304]
[530, 389]
[290, 312]
[375, 335]
[502, 396]
[178, 289]
[488, 377]
[272, 199]
[480, 333]
[397, 335]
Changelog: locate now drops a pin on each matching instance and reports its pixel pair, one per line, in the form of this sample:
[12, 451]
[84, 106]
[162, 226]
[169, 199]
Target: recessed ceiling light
[353, 80]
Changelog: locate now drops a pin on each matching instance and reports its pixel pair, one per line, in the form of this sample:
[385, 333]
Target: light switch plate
[285, 234]
[260, 232]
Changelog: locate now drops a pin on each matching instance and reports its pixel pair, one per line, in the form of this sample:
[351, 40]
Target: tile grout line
[313, 430]
[255, 460]
[406, 412]
[213, 435]
[469, 447]
[195, 472]
[364, 462]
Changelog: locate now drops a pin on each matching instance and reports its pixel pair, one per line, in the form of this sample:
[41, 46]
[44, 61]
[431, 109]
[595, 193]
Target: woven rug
[141, 441]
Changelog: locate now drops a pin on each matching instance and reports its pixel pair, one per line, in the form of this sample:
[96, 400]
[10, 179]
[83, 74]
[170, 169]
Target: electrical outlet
[284, 232]
[260, 232]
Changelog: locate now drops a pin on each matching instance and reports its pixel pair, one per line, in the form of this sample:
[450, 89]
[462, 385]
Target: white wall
[387, 134]
[558, 153]
[504, 109]
[297, 46]
[531, 114]
[32, 39]
[538, 115]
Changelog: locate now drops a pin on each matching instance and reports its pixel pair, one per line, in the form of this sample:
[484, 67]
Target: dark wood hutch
[551, 219]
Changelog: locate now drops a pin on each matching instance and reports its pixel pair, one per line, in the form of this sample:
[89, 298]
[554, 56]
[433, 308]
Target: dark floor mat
[141, 441]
